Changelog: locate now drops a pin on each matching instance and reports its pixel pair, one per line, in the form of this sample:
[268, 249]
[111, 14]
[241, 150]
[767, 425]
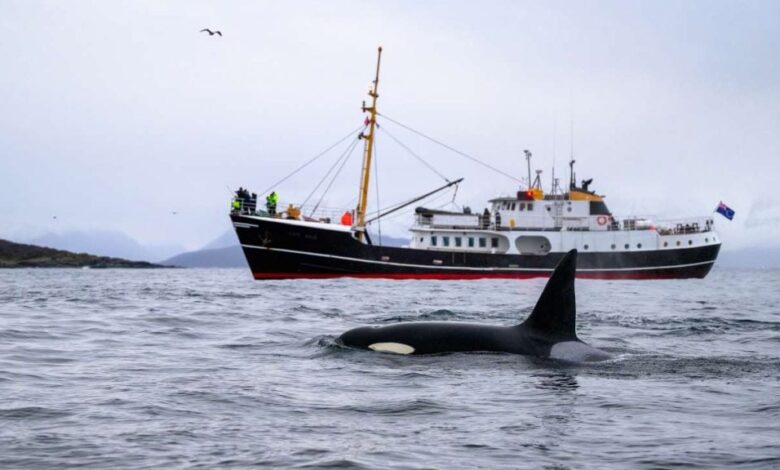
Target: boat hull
[278, 250]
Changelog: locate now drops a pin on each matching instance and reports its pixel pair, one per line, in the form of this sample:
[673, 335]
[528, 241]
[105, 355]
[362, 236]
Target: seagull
[174, 212]
[211, 33]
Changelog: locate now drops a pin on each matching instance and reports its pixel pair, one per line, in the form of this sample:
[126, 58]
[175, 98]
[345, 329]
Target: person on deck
[498, 220]
[486, 219]
[270, 202]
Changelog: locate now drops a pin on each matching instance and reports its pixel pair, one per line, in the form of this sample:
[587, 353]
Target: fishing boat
[522, 235]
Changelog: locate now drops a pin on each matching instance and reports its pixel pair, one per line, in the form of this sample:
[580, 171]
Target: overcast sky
[117, 113]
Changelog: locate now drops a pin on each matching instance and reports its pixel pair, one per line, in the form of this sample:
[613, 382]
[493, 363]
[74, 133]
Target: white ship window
[513, 206]
[625, 246]
[639, 245]
[482, 242]
[613, 246]
[471, 242]
[522, 206]
[446, 241]
[585, 247]
[433, 240]
[458, 241]
[666, 244]
[494, 242]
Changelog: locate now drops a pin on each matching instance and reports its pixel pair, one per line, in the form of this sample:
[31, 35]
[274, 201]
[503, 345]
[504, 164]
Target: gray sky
[116, 113]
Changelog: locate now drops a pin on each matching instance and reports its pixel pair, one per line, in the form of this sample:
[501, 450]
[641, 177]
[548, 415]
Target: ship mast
[368, 150]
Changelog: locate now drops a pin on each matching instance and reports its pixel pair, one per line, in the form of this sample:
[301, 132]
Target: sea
[206, 368]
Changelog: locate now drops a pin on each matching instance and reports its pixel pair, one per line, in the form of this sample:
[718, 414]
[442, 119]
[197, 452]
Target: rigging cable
[347, 151]
[463, 154]
[359, 128]
[376, 184]
[335, 175]
[405, 147]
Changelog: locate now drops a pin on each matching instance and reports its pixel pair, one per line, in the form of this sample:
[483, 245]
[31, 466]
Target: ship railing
[287, 210]
[664, 226]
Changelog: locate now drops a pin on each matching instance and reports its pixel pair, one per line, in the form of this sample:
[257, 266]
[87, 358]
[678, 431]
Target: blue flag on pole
[725, 211]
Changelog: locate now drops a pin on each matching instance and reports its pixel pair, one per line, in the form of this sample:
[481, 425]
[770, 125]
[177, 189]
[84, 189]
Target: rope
[335, 175]
[360, 128]
[347, 151]
[463, 154]
[415, 155]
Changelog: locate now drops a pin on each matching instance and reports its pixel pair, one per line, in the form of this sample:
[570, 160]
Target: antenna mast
[572, 177]
[528, 160]
[368, 151]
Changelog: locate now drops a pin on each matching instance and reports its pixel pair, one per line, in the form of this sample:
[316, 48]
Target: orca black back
[548, 332]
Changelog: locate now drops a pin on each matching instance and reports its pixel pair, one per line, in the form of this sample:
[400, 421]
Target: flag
[725, 211]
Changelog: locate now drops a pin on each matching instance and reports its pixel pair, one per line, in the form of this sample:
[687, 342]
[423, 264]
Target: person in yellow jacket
[270, 202]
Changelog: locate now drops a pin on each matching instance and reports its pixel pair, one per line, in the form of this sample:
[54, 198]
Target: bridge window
[433, 240]
[522, 206]
[446, 241]
[513, 206]
[530, 206]
[471, 242]
[482, 242]
[494, 242]
[457, 241]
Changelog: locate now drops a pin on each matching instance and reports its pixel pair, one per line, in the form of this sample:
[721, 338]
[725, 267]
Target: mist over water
[206, 368]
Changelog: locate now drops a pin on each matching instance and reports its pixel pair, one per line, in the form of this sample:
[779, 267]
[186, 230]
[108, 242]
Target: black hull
[278, 250]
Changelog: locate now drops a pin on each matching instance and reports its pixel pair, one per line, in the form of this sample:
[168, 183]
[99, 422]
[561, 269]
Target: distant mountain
[229, 238]
[105, 243]
[18, 255]
[752, 257]
[226, 257]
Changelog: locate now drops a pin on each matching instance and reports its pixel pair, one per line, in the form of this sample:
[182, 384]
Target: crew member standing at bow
[270, 202]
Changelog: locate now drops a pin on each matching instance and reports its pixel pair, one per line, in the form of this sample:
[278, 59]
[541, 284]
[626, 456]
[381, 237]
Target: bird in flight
[211, 33]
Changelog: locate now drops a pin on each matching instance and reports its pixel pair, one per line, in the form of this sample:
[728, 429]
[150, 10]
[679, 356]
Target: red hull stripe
[465, 276]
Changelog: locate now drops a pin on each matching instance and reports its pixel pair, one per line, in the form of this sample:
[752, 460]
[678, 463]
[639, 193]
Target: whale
[548, 332]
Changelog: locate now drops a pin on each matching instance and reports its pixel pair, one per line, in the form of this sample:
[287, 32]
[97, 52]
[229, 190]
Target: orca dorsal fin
[555, 313]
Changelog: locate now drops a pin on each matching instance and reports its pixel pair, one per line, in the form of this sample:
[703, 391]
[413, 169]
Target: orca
[549, 332]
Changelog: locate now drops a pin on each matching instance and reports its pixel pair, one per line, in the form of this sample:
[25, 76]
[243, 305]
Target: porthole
[678, 242]
[706, 240]
[549, 208]
[714, 239]
[639, 245]
[585, 247]
[568, 209]
[666, 244]
[613, 246]
[690, 242]
[625, 246]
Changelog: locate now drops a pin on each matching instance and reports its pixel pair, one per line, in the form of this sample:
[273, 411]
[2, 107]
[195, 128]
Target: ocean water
[208, 368]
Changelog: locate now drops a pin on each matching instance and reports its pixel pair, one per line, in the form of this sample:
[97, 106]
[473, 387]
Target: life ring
[601, 220]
